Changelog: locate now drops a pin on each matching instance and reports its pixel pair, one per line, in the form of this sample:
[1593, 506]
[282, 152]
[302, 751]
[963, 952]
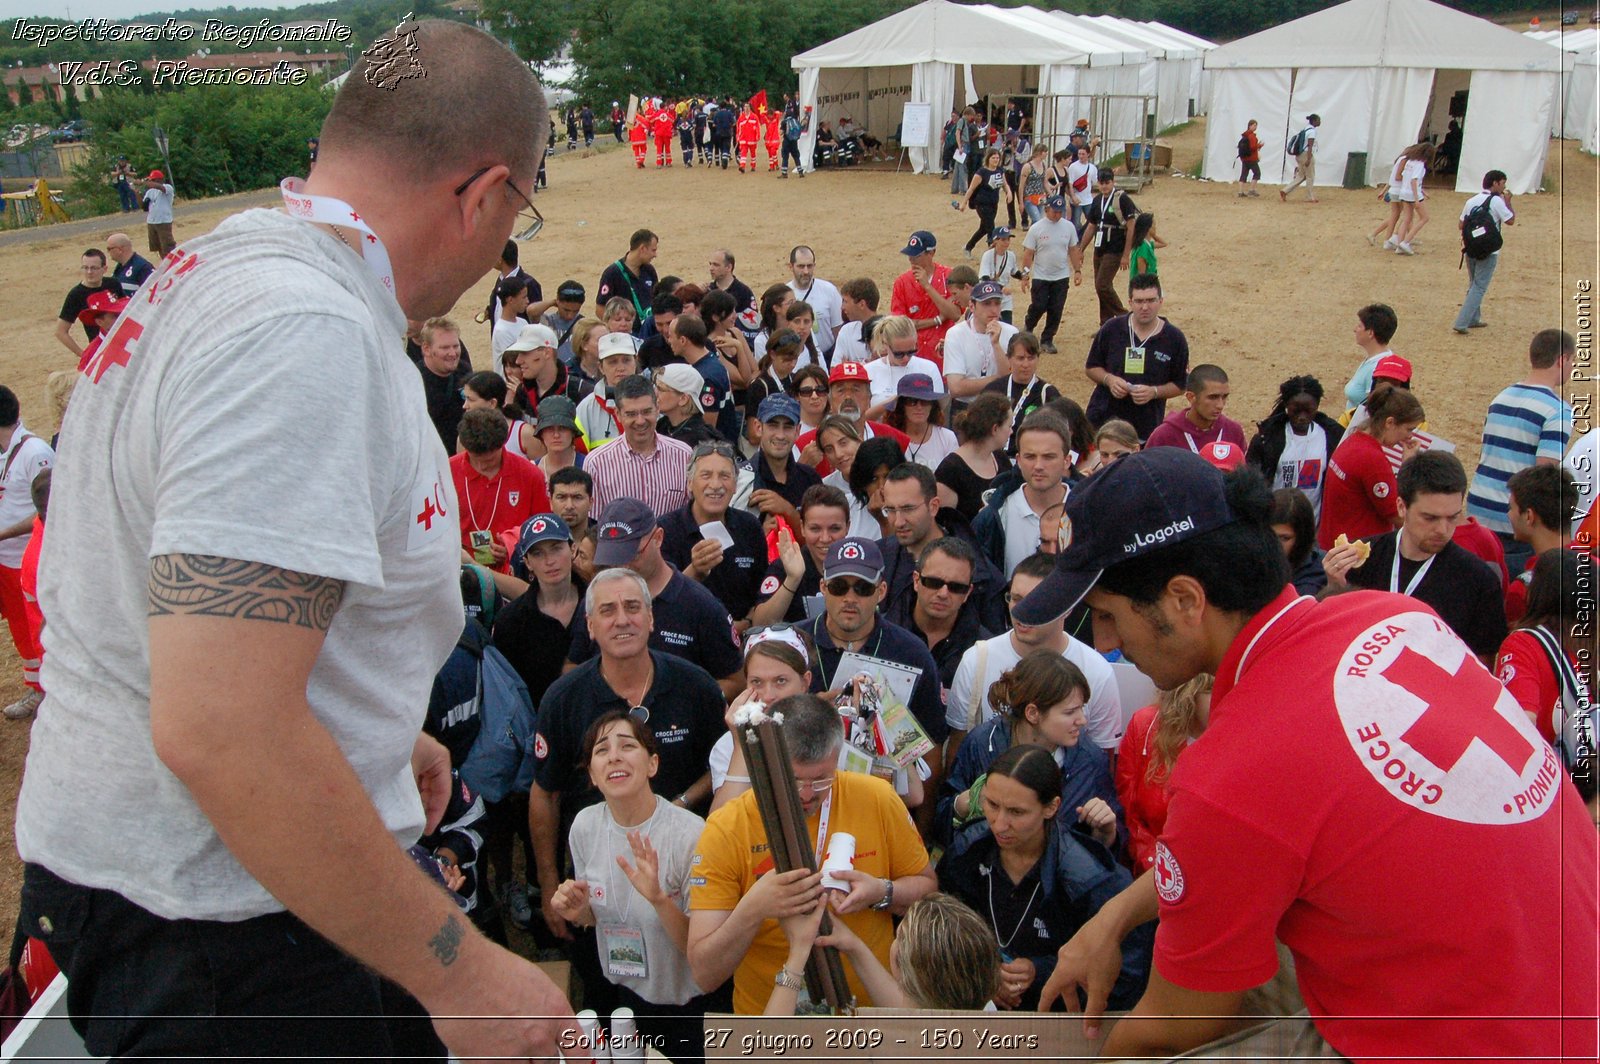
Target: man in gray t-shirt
[229, 764]
[1050, 255]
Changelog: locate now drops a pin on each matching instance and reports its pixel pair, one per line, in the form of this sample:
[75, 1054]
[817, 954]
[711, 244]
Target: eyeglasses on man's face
[529, 220]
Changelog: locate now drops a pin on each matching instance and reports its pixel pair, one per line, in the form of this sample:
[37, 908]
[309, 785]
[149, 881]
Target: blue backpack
[792, 128]
[501, 758]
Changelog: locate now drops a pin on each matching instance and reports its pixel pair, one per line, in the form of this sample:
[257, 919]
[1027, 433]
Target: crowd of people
[674, 502]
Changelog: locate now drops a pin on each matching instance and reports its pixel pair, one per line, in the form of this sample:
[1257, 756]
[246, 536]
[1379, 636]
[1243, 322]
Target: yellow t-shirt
[733, 851]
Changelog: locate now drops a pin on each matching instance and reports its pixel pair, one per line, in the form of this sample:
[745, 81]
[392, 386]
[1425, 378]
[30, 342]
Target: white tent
[1576, 116]
[1182, 67]
[1164, 78]
[1384, 74]
[944, 54]
[1201, 86]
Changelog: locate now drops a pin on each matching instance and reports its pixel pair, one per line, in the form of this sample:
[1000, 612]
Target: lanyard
[330, 211]
[1027, 390]
[1108, 216]
[999, 870]
[822, 822]
[1394, 570]
[472, 514]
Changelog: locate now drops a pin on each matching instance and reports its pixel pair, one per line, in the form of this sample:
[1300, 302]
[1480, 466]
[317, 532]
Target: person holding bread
[1358, 494]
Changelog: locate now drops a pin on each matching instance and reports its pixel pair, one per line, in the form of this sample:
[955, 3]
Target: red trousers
[664, 151]
[747, 154]
[639, 149]
[772, 153]
[23, 635]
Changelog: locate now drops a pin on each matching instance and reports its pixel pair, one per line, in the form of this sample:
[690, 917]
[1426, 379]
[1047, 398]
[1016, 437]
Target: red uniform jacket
[661, 124]
[748, 128]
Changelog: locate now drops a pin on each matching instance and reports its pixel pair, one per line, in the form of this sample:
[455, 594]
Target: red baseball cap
[156, 175]
[848, 371]
[102, 303]
[1225, 456]
[1392, 368]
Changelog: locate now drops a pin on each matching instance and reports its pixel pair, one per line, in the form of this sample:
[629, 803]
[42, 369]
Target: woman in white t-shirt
[1293, 445]
[632, 855]
[1419, 160]
[1394, 195]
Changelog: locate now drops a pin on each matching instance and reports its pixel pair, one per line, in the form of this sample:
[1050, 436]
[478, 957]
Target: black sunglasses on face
[934, 583]
[841, 586]
[811, 391]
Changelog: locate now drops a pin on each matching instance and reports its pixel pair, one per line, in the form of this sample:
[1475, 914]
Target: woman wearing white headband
[777, 663]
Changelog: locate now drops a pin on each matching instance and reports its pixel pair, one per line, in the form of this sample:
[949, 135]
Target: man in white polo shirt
[821, 296]
[968, 705]
[975, 349]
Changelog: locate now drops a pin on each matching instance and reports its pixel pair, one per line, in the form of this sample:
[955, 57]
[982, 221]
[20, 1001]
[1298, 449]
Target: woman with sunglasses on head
[1036, 876]
[632, 857]
[776, 373]
[1041, 700]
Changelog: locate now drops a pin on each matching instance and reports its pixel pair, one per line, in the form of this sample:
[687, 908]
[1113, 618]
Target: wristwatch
[788, 980]
[888, 896]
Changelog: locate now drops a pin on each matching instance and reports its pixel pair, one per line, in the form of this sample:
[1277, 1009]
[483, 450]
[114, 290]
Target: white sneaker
[24, 707]
[1403, 249]
[1389, 245]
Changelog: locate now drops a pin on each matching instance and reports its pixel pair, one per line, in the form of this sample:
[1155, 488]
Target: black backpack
[1480, 234]
[1297, 143]
[1244, 147]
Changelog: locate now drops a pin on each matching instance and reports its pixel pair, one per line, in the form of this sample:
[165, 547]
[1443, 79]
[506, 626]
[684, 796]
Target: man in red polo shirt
[495, 490]
[1363, 783]
[922, 294]
[849, 396]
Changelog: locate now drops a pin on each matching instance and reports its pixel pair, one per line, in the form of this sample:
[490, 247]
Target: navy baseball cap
[540, 528]
[624, 525]
[987, 290]
[854, 556]
[921, 241]
[1000, 232]
[1056, 203]
[778, 405]
[1141, 504]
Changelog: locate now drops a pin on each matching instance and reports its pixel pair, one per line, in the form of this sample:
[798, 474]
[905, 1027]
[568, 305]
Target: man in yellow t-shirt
[735, 896]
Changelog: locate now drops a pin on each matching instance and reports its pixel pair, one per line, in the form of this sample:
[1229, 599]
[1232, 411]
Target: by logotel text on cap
[1000, 233]
[617, 343]
[1140, 504]
[777, 406]
[920, 242]
[1392, 368]
[987, 290]
[848, 371]
[533, 337]
[854, 556]
[680, 378]
[623, 528]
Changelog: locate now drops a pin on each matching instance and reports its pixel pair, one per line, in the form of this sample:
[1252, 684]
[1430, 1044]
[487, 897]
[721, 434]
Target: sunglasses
[724, 449]
[640, 714]
[529, 221]
[907, 353]
[841, 586]
[811, 391]
[934, 583]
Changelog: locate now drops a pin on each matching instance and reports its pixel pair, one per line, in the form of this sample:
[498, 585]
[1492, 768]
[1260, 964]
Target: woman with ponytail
[1360, 498]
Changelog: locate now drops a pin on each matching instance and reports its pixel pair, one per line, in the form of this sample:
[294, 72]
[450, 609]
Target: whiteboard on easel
[916, 124]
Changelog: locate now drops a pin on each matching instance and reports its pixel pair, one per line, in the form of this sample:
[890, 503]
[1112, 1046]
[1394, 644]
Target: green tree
[537, 31]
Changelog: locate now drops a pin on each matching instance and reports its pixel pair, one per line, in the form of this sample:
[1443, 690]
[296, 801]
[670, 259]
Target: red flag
[758, 102]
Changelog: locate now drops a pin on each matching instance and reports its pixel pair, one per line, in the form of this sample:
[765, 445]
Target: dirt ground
[1264, 289]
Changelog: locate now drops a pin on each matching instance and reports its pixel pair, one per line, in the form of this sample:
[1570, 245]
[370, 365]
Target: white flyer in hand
[718, 531]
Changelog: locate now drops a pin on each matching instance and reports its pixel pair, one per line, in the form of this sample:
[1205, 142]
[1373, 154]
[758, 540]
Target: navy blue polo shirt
[689, 623]
[792, 490]
[810, 584]
[892, 643]
[686, 708]
[736, 581]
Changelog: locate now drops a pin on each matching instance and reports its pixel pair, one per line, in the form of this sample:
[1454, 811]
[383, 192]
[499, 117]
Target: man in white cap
[543, 372]
[678, 389]
[597, 413]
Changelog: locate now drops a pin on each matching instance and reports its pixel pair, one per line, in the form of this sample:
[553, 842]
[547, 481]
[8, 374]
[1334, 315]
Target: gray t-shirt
[220, 420]
[596, 841]
[1051, 244]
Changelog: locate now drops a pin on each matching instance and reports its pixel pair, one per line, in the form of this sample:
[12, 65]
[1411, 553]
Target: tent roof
[1105, 49]
[1159, 44]
[940, 31]
[1180, 35]
[1387, 33]
[1584, 40]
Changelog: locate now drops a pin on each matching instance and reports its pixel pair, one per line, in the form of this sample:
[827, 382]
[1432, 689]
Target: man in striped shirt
[1527, 425]
[640, 464]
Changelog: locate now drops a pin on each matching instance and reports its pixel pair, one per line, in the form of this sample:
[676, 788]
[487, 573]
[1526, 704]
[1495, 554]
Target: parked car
[1569, 19]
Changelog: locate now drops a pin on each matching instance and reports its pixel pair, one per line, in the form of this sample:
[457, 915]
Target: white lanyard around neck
[1394, 570]
[822, 822]
[330, 211]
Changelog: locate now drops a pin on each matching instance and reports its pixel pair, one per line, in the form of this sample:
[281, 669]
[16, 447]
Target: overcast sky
[121, 10]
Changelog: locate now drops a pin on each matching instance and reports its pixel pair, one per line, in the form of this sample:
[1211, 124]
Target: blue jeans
[141, 985]
[1479, 273]
[1034, 211]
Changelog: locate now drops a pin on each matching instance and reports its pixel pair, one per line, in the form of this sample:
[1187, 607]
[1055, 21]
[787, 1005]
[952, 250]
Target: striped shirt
[659, 480]
[1526, 422]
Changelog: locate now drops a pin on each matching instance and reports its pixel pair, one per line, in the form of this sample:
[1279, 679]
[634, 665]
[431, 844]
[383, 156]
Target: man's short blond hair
[437, 325]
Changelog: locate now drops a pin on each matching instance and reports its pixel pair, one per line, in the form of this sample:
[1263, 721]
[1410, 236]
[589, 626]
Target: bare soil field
[1265, 289]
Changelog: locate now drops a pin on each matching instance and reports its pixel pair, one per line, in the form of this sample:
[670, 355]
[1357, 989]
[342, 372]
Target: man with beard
[849, 396]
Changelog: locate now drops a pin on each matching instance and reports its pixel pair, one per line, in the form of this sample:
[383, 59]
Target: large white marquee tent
[946, 54]
[1578, 116]
[1384, 74]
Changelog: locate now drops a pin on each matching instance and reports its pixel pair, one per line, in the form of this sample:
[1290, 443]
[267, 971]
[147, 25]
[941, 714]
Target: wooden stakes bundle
[784, 818]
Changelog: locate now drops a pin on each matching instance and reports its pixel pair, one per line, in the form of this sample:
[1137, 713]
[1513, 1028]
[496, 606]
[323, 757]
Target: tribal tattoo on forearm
[203, 585]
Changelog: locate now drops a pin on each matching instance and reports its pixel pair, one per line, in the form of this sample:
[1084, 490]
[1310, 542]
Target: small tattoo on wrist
[446, 945]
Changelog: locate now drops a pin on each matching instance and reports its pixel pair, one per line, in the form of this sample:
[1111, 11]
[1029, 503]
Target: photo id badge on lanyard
[1132, 355]
[623, 948]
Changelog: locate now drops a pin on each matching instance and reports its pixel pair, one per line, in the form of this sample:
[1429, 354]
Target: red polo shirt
[497, 504]
[912, 300]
